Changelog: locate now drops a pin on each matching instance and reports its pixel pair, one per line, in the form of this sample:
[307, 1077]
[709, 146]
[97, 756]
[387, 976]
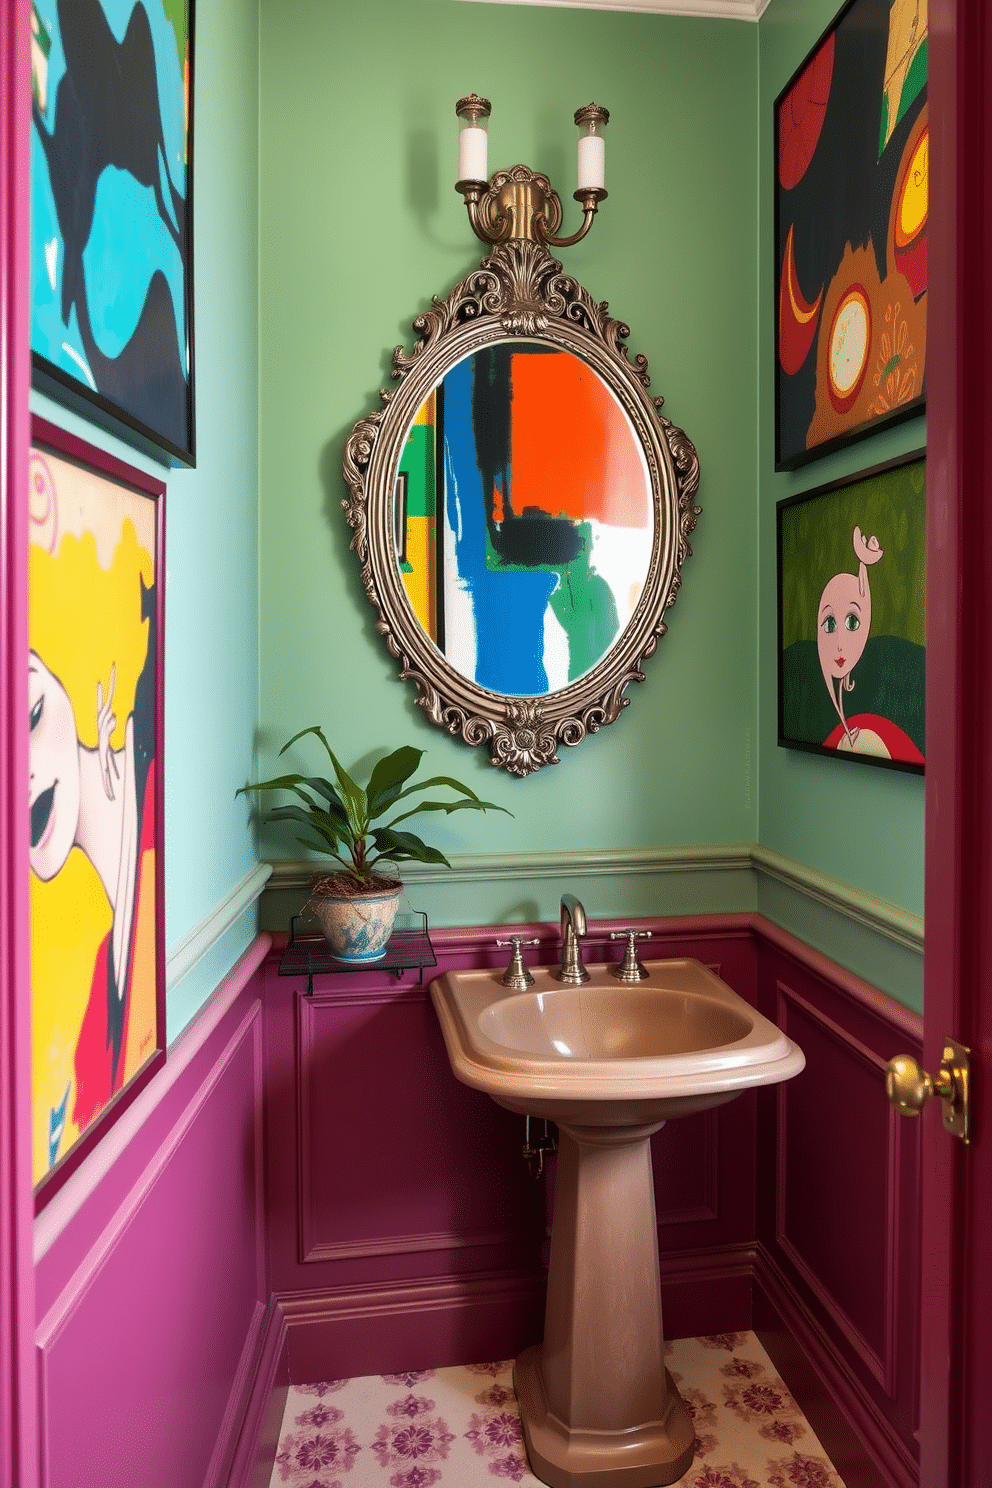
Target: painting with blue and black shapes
[111, 250]
[548, 523]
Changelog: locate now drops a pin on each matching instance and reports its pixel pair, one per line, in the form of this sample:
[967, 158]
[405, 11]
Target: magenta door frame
[956, 1445]
[18, 1432]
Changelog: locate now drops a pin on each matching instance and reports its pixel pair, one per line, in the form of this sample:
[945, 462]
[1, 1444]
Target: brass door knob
[909, 1087]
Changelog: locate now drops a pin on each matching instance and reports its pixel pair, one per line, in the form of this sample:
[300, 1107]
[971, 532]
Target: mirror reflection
[523, 517]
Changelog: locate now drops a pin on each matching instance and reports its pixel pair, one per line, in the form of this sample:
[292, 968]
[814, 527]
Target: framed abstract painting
[852, 617]
[851, 200]
[95, 669]
[111, 216]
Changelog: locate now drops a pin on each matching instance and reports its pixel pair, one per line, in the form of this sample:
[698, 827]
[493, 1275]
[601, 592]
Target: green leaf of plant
[388, 776]
[354, 796]
[325, 788]
[405, 846]
[318, 823]
[455, 785]
[321, 848]
[344, 819]
[447, 807]
[355, 801]
[313, 729]
[280, 782]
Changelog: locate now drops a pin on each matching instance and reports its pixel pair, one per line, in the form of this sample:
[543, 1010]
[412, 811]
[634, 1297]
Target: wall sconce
[519, 203]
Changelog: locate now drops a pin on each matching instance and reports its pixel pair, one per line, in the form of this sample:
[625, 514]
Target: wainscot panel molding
[880, 941]
[405, 1232]
[838, 1211]
[479, 868]
[204, 936]
[306, 1192]
[249, 1439]
[705, 1291]
[637, 883]
[874, 914]
[151, 1285]
[383, 1166]
[416, 1323]
[149, 1115]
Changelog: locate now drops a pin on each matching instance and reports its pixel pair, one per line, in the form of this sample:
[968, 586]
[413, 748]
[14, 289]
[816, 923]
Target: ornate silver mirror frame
[518, 291]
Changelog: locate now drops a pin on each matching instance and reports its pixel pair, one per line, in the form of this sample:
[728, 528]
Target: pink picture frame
[95, 692]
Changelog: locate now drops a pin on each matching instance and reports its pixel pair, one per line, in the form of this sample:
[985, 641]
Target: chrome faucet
[573, 928]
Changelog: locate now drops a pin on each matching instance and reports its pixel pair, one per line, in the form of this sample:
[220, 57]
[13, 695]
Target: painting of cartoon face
[94, 799]
[843, 621]
[852, 617]
[54, 771]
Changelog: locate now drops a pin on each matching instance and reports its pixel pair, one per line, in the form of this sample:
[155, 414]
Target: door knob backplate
[909, 1087]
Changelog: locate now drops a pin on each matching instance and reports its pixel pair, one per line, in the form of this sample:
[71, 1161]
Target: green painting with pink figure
[852, 617]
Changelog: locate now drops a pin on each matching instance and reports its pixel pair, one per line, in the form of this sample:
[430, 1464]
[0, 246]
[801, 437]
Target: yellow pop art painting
[94, 695]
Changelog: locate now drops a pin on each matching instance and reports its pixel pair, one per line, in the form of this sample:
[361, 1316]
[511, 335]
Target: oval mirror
[521, 510]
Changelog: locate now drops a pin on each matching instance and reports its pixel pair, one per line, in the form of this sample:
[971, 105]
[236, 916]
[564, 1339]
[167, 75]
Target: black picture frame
[850, 214]
[820, 585]
[112, 221]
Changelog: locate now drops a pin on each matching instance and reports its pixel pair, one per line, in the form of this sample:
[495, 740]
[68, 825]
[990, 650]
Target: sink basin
[607, 1052]
[605, 1023]
[610, 1062]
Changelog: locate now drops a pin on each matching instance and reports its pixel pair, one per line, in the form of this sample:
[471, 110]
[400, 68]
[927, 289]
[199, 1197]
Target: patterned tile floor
[459, 1428]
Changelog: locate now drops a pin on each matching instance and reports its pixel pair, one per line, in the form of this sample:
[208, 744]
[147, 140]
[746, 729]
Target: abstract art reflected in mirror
[524, 518]
[521, 510]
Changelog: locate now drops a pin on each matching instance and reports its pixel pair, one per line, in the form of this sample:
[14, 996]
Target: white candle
[473, 154]
[592, 162]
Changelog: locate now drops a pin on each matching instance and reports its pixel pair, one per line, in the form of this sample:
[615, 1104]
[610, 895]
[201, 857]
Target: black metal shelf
[308, 953]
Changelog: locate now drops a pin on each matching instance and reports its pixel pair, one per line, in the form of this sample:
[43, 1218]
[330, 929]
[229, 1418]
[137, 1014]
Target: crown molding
[737, 10]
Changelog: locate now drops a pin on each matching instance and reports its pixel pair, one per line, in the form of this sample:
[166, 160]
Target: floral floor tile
[459, 1427]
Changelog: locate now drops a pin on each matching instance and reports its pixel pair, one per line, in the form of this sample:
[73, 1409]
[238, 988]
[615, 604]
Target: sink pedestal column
[598, 1407]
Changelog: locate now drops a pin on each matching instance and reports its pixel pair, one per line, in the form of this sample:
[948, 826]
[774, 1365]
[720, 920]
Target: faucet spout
[573, 929]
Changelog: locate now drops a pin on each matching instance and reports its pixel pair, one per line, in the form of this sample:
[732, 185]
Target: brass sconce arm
[590, 200]
[489, 224]
[520, 204]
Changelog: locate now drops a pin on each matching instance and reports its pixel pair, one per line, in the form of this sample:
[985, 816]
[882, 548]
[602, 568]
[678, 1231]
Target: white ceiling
[741, 10]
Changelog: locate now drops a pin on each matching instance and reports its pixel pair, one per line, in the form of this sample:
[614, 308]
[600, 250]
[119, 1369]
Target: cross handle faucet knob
[630, 968]
[516, 976]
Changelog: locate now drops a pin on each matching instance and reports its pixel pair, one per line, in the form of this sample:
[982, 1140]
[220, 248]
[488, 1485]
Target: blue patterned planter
[359, 926]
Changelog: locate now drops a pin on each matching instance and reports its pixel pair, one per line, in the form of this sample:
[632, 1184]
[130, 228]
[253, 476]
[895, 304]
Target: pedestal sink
[610, 1063]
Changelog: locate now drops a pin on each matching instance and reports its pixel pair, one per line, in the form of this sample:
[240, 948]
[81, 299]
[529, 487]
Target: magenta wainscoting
[154, 1326]
[839, 1204]
[405, 1232]
[306, 1192]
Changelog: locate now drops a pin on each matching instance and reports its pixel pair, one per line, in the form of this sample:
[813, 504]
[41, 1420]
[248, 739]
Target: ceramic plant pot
[357, 926]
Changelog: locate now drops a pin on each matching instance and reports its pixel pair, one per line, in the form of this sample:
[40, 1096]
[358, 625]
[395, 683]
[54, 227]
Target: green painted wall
[211, 647]
[324, 156]
[859, 824]
[359, 226]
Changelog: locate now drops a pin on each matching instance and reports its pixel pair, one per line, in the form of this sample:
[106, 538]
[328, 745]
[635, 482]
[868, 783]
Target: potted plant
[356, 905]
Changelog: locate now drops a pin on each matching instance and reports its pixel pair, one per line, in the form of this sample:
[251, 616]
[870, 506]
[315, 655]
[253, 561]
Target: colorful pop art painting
[111, 246]
[529, 518]
[95, 698]
[852, 617]
[851, 212]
